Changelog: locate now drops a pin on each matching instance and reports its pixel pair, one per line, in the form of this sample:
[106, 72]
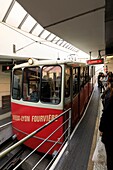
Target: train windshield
[35, 84]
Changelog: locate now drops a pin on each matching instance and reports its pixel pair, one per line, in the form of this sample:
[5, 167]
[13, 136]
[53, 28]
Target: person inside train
[106, 129]
[34, 94]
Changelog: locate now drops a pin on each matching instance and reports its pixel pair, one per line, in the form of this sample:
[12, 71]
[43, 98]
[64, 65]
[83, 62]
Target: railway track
[12, 159]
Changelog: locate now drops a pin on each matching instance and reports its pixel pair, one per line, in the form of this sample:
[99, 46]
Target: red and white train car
[58, 86]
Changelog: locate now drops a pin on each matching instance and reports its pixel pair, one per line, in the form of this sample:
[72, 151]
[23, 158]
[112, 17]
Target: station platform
[78, 155]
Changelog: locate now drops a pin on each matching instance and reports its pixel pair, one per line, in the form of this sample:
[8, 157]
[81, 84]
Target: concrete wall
[4, 86]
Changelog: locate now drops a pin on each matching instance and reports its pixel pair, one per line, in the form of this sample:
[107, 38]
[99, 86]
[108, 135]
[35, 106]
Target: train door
[67, 88]
[75, 101]
[71, 92]
[67, 93]
[93, 75]
[91, 83]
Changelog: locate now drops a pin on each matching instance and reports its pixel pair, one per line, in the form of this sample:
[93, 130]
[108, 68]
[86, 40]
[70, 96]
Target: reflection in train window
[51, 84]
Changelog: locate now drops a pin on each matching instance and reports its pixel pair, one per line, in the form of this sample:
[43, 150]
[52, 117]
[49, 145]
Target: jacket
[106, 123]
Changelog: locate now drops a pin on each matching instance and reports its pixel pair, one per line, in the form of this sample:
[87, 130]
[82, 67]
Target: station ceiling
[79, 22]
[15, 17]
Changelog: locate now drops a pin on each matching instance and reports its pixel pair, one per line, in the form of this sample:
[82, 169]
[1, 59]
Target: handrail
[38, 147]
[5, 152]
[67, 138]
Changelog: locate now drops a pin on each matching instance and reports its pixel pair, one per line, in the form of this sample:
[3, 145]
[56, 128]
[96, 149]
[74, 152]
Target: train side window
[81, 77]
[67, 82]
[91, 71]
[75, 81]
[86, 74]
[51, 84]
[17, 84]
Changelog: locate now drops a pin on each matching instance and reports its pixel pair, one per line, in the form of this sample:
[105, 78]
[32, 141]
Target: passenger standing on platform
[106, 95]
[106, 129]
[110, 76]
[99, 79]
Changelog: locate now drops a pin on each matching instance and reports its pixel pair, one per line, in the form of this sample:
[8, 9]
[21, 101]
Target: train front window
[17, 84]
[51, 84]
[34, 84]
[31, 84]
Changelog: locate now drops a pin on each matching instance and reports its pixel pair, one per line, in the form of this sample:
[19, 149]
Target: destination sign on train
[95, 61]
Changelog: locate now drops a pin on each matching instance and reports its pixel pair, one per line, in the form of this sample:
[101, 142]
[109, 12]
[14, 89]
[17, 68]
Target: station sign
[95, 61]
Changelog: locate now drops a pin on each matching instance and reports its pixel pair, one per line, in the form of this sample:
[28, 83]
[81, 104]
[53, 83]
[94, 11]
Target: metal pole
[69, 130]
[90, 55]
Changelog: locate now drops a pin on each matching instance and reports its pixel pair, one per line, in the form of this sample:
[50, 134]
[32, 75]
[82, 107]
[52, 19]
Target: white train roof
[48, 62]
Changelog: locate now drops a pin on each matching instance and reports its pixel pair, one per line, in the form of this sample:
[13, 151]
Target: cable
[31, 38]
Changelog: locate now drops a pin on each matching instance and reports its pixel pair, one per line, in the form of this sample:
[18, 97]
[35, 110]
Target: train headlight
[30, 61]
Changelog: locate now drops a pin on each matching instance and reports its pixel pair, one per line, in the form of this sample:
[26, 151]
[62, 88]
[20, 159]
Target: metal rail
[37, 148]
[5, 152]
[2, 126]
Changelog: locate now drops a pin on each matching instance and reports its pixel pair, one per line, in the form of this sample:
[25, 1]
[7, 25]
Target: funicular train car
[58, 85]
